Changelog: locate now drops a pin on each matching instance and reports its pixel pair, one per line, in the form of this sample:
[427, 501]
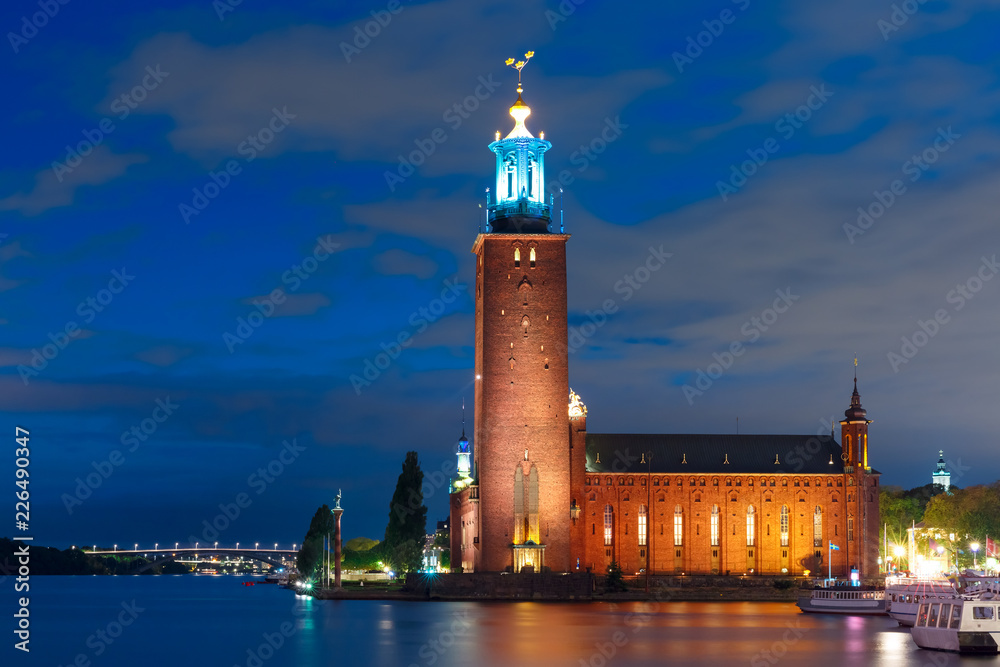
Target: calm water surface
[215, 621]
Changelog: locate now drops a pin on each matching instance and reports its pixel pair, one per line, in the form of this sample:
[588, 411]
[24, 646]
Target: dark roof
[706, 453]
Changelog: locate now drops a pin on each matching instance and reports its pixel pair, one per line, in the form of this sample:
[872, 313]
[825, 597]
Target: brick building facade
[546, 494]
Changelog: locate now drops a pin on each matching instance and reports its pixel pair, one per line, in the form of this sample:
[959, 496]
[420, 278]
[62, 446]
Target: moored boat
[961, 622]
[853, 600]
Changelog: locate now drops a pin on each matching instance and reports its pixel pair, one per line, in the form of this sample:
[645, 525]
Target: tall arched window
[715, 525]
[750, 526]
[784, 525]
[818, 527]
[643, 518]
[517, 257]
[609, 522]
[678, 526]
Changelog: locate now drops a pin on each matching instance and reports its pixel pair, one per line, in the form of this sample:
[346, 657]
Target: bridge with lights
[270, 554]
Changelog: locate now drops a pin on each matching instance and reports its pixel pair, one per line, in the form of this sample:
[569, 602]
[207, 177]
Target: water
[195, 621]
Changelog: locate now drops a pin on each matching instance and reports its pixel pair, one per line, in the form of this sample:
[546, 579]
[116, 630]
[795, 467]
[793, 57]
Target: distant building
[537, 486]
[941, 477]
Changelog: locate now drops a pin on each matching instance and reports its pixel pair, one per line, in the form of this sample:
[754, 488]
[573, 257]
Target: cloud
[97, 168]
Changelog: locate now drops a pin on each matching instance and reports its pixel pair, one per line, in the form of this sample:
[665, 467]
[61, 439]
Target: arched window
[715, 525]
[818, 527]
[609, 522]
[517, 257]
[750, 526]
[784, 525]
[642, 525]
[531, 257]
[678, 526]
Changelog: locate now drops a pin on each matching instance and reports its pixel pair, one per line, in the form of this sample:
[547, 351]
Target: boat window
[982, 613]
[956, 616]
[922, 616]
[945, 615]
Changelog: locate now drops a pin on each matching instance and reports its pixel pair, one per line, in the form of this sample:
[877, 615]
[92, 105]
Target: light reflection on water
[215, 621]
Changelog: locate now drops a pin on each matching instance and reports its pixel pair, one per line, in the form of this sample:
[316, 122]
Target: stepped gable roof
[707, 453]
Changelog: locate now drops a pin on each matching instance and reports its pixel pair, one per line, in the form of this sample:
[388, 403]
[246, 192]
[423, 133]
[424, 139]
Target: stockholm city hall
[537, 492]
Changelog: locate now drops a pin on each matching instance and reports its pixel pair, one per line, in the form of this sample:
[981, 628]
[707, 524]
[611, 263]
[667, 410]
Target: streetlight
[975, 549]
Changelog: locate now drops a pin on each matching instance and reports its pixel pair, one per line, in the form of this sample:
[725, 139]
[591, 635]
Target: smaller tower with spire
[854, 431]
[941, 477]
[463, 469]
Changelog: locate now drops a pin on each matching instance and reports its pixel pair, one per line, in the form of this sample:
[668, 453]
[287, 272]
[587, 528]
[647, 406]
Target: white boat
[843, 599]
[962, 622]
[902, 599]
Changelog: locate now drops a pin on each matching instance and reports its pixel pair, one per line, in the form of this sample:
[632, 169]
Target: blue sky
[746, 136]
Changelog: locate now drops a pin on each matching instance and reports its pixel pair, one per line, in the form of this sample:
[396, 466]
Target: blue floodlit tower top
[519, 205]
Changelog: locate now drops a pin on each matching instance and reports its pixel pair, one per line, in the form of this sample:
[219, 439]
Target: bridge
[273, 556]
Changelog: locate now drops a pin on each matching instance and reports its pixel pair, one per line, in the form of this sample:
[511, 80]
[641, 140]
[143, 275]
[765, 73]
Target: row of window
[702, 481]
[751, 517]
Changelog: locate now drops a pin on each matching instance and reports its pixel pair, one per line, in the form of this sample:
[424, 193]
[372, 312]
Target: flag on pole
[834, 547]
[991, 548]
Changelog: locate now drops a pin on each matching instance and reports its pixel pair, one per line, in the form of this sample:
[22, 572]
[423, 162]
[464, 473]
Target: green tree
[615, 581]
[407, 527]
[310, 556]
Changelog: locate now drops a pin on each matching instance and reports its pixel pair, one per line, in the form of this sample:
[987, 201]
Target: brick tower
[522, 383]
[862, 489]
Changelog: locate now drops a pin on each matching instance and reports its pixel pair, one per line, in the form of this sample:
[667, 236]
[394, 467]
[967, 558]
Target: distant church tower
[941, 476]
[522, 382]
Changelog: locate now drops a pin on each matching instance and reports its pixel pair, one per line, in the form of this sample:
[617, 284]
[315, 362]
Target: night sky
[275, 196]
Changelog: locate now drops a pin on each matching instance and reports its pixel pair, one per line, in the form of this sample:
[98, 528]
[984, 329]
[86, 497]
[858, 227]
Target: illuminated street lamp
[975, 549]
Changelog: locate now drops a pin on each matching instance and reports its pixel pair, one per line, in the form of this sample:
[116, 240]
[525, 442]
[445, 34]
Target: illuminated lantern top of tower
[519, 204]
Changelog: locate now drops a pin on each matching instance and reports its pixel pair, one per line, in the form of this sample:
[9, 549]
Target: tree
[407, 518]
[310, 556]
[615, 581]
